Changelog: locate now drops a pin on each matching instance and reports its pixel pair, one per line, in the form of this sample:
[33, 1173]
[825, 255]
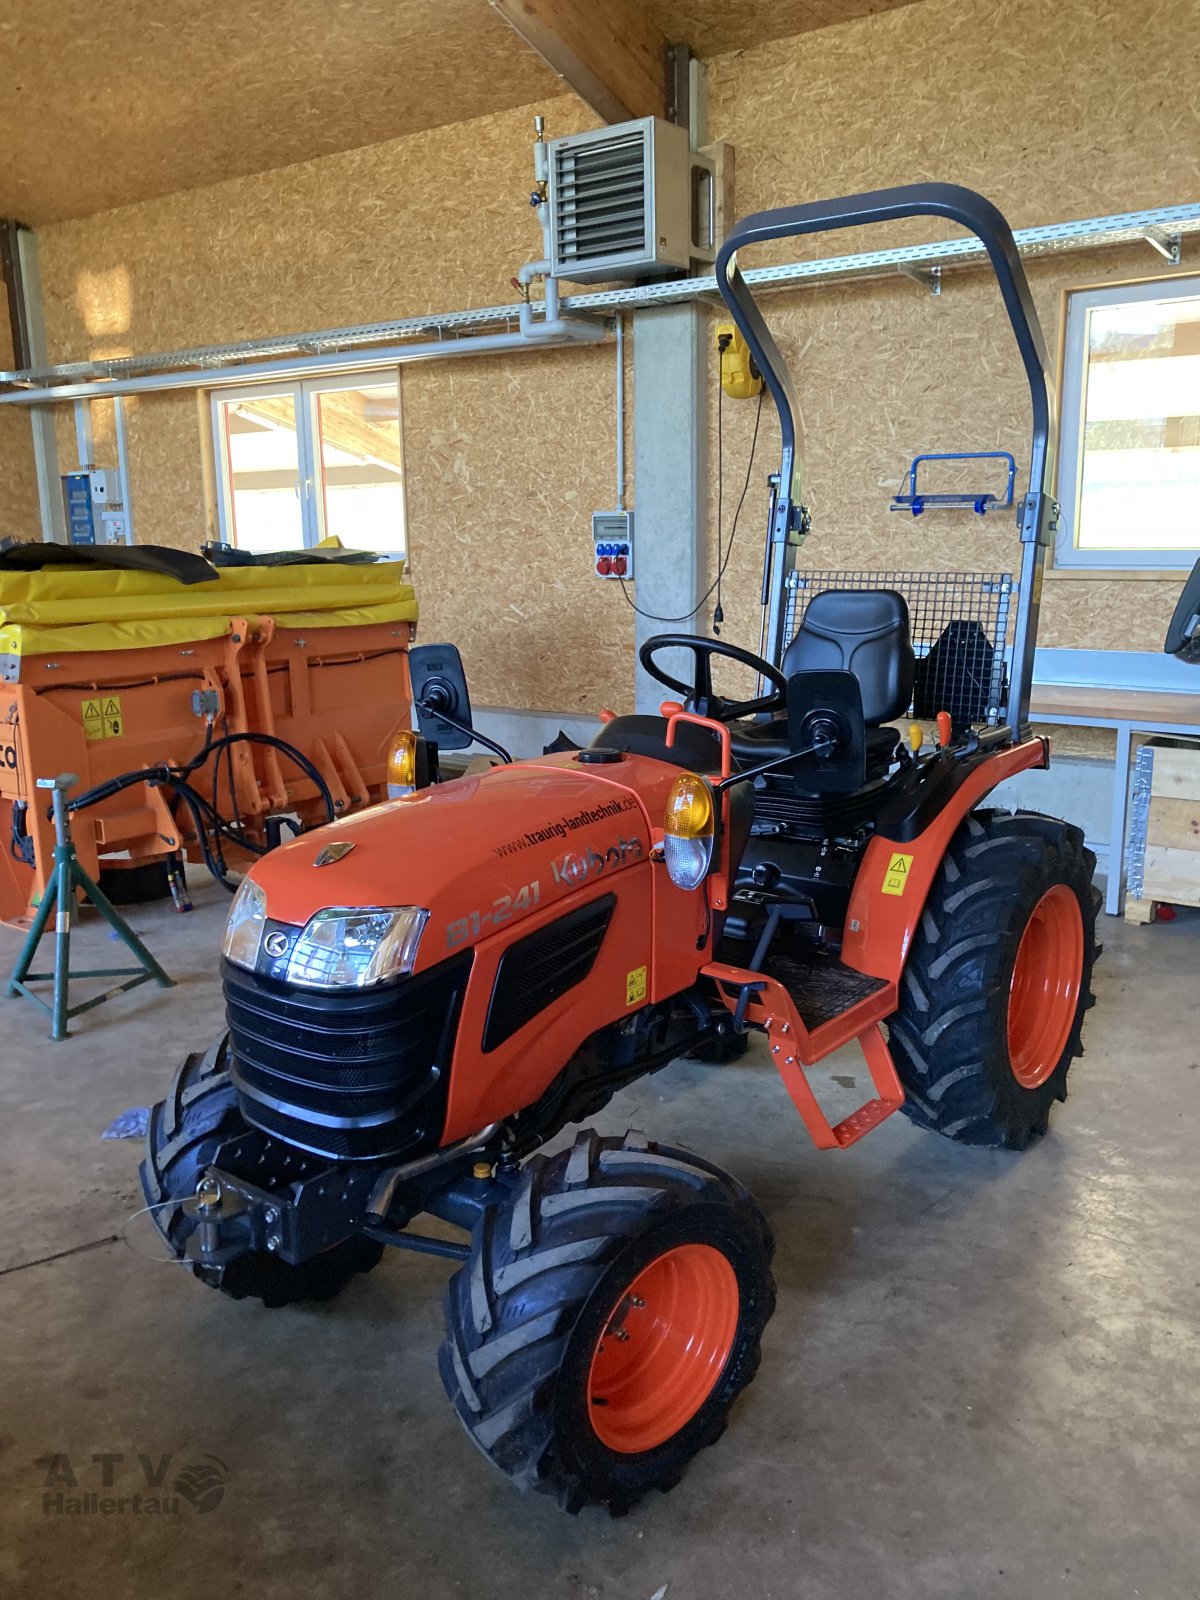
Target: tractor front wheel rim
[664, 1347]
[1046, 980]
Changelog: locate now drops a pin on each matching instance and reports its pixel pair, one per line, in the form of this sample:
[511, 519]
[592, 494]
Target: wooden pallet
[1171, 864]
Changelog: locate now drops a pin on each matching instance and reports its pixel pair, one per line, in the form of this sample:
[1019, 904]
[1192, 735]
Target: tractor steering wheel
[700, 695]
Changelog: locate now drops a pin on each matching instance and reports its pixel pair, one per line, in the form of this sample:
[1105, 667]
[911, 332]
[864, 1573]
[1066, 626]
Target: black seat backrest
[866, 631]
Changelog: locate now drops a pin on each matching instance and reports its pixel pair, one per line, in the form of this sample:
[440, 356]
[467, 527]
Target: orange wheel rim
[1044, 993]
[664, 1346]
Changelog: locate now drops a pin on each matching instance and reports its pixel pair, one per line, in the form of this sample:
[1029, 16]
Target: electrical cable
[463, 727]
[718, 609]
[652, 616]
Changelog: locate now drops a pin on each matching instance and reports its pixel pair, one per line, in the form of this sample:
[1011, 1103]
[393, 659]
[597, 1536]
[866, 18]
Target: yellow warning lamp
[740, 378]
[689, 831]
[404, 764]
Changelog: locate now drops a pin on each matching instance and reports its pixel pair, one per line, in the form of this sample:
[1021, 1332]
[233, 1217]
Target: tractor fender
[894, 879]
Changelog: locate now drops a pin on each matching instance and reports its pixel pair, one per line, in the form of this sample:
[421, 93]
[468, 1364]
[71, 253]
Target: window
[300, 462]
[1129, 451]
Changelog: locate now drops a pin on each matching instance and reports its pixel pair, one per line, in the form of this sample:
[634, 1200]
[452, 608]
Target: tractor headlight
[244, 929]
[353, 947]
[689, 831]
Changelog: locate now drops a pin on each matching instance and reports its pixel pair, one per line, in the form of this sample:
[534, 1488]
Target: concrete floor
[981, 1380]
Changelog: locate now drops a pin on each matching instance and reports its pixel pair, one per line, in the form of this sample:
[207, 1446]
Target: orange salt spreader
[106, 673]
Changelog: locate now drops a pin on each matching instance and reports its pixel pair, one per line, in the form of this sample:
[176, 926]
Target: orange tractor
[422, 995]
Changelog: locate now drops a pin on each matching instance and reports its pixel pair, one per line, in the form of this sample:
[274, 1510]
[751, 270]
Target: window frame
[1078, 303]
[305, 393]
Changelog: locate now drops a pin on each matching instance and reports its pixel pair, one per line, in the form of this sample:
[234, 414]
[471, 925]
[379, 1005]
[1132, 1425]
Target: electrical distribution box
[88, 497]
[612, 536]
[114, 528]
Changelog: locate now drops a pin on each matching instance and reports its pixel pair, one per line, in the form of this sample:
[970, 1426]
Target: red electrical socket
[619, 564]
[604, 566]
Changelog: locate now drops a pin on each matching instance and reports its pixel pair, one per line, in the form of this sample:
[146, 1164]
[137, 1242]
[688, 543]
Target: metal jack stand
[60, 897]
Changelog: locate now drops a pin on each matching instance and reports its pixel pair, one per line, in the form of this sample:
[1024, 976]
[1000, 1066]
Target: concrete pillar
[670, 444]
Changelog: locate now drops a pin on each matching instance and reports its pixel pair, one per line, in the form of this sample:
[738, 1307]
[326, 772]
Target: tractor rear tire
[609, 1315]
[998, 980]
[198, 1116]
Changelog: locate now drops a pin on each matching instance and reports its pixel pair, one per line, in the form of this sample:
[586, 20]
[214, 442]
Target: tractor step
[801, 1033]
[860, 1122]
[822, 989]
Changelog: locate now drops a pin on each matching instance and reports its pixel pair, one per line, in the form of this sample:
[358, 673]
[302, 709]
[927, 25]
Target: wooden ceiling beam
[608, 52]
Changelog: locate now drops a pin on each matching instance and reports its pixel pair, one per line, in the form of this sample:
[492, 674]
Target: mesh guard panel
[960, 623]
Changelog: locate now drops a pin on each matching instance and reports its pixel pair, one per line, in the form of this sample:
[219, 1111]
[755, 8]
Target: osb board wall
[513, 460]
[1071, 110]
[886, 371]
[432, 222]
[505, 457]
[18, 479]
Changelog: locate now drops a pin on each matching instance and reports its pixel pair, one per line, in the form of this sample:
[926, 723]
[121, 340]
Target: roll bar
[1037, 514]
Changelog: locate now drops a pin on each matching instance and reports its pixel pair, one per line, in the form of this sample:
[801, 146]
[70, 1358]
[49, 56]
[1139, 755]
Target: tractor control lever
[826, 746]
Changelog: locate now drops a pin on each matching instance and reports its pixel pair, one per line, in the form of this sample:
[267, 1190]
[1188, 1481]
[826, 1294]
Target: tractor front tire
[198, 1116]
[609, 1315]
[998, 980]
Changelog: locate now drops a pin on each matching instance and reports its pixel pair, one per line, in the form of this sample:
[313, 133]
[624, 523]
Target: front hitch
[234, 1217]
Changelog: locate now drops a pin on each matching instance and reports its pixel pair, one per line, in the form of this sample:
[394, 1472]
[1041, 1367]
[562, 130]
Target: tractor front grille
[350, 1074]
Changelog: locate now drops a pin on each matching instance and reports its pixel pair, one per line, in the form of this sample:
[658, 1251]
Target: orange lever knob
[945, 728]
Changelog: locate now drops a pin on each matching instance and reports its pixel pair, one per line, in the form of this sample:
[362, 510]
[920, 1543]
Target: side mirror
[825, 708]
[1183, 635]
[439, 685]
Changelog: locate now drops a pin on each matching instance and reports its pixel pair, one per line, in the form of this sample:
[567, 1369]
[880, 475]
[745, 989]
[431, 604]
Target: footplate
[762, 1002]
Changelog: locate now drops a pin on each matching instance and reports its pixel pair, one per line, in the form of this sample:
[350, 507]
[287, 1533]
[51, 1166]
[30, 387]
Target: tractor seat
[865, 631]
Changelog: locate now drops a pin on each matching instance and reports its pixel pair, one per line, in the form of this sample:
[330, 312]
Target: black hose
[204, 813]
[297, 756]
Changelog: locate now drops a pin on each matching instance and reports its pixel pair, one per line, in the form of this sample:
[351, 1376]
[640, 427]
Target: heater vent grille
[600, 193]
[631, 201]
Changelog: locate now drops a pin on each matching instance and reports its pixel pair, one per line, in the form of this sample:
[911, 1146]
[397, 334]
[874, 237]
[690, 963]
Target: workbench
[1074, 688]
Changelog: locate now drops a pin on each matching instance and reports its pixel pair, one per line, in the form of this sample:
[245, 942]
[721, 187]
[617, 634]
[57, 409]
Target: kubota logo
[577, 866]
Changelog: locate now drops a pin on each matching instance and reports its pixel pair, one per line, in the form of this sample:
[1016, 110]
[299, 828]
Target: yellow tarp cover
[62, 609]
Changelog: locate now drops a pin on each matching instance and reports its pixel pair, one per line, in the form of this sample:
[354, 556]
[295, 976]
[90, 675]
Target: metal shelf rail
[412, 338]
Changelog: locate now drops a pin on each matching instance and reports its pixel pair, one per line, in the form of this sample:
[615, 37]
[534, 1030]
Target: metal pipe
[976, 214]
[562, 332]
[84, 443]
[215, 361]
[620, 327]
[123, 463]
[388, 1182]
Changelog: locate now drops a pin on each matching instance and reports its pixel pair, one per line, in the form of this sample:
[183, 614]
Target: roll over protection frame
[1037, 514]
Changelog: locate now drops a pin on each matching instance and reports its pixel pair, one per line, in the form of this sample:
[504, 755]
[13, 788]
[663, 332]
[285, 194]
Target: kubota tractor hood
[481, 850]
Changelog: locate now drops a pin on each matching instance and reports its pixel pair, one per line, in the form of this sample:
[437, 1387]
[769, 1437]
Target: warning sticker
[102, 718]
[895, 879]
[635, 986]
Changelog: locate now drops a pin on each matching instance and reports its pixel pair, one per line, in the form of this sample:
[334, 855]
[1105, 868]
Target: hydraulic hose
[204, 814]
